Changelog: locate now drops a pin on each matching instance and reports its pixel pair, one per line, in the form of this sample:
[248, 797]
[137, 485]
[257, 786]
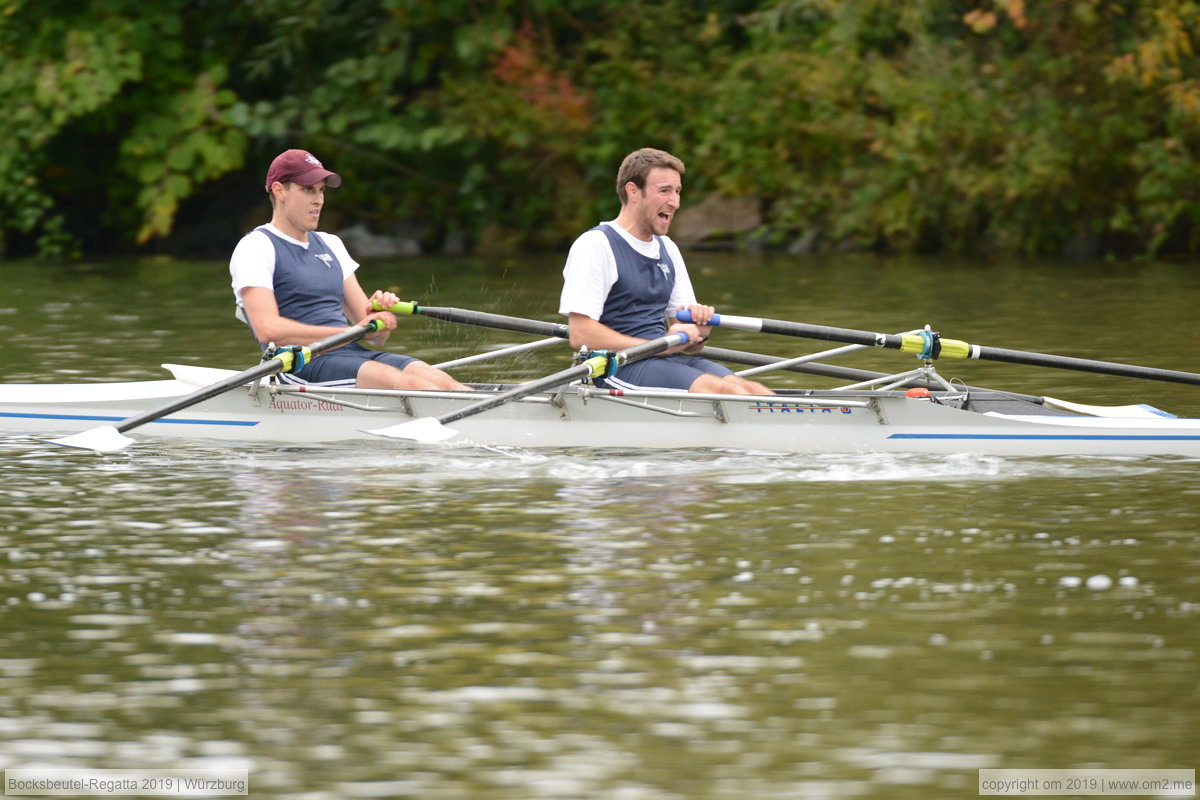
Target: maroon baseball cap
[302, 167]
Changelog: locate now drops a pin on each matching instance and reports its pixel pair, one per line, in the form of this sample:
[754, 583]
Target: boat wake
[429, 466]
[445, 464]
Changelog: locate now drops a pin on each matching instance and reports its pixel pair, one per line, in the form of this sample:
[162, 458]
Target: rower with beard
[622, 276]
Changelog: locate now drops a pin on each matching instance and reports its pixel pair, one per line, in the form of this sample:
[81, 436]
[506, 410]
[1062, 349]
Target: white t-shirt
[591, 271]
[253, 260]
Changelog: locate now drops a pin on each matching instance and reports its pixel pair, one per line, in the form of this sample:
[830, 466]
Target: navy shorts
[664, 372]
[340, 366]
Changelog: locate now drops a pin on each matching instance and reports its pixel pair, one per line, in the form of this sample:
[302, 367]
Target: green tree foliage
[53, 76]
[938, 125]
[926, 126]
[121, 112]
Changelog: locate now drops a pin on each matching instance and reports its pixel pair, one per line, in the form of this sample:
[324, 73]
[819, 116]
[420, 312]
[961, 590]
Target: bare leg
[730, 384]
[418, 375]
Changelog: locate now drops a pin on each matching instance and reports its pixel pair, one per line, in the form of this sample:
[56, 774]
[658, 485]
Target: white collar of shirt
[650, 248]
[284, 236]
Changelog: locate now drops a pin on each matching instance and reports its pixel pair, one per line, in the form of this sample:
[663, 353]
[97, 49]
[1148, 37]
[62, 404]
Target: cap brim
[332, 179]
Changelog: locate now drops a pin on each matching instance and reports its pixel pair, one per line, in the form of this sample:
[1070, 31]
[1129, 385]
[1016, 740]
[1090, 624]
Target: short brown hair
[637, 166]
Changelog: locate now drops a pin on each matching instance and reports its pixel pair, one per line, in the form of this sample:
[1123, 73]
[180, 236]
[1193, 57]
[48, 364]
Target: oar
[480, 318]
[788, 365]
[109, 438]
[502, 352]
[832, 371]
[927, 344]
[553, 329]
[433, 429]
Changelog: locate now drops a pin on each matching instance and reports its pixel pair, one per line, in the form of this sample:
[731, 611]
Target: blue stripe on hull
[96, 418]
[1053, 437]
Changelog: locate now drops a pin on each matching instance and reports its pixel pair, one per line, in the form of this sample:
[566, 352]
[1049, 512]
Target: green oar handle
[403, 307]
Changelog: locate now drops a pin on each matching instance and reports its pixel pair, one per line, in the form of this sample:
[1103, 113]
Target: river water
[377, 621]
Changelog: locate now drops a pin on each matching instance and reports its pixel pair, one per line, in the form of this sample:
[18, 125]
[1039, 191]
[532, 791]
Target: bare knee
[748, 386]
[377, 375]
[436, 378]
[706, 384]
[417, 375]
[730, 384]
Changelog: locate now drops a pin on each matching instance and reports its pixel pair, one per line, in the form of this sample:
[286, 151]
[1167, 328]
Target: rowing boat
[953, 419]
[915, 411]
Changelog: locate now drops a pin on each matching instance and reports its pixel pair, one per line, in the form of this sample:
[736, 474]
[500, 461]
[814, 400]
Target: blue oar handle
[683, 315]
[728, 320]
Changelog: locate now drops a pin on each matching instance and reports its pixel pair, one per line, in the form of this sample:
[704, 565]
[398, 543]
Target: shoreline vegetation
[987, 127]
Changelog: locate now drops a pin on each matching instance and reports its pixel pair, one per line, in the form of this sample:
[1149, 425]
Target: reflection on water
[467, 624]
[487, 624]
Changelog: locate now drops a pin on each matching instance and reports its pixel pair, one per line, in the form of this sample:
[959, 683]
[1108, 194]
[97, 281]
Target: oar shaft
[552, 329]
[799, 329]
[918, 343]
[524, 390]
[593, 367]
[1087, 365]
[759, 360]
[502, 352]
[833, 371]
[277, 364]
[482, 319]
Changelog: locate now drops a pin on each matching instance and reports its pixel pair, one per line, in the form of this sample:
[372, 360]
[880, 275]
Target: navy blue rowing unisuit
[637, 303]
[637, 306]
[308, 288]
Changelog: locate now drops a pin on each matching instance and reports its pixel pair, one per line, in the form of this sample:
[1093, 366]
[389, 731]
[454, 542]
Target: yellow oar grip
[403, 307]
[599, 365]
[287, 357]
[955, 348]
[919, 344]
[912, 343]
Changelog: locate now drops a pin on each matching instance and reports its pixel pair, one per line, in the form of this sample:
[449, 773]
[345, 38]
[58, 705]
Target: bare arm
[263, 314]
[595, 335]
[269, 326]
[358, 307]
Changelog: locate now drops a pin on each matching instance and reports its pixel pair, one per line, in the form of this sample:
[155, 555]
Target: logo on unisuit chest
[666, 270]
[769, 407]
[301, 404]
[325, 257]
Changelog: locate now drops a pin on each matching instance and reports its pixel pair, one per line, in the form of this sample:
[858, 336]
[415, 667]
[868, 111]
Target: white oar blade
[425, 429]
[1138, 411]
[105, 439]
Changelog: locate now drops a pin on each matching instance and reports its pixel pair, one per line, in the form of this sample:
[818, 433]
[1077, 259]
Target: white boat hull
[849, 422]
